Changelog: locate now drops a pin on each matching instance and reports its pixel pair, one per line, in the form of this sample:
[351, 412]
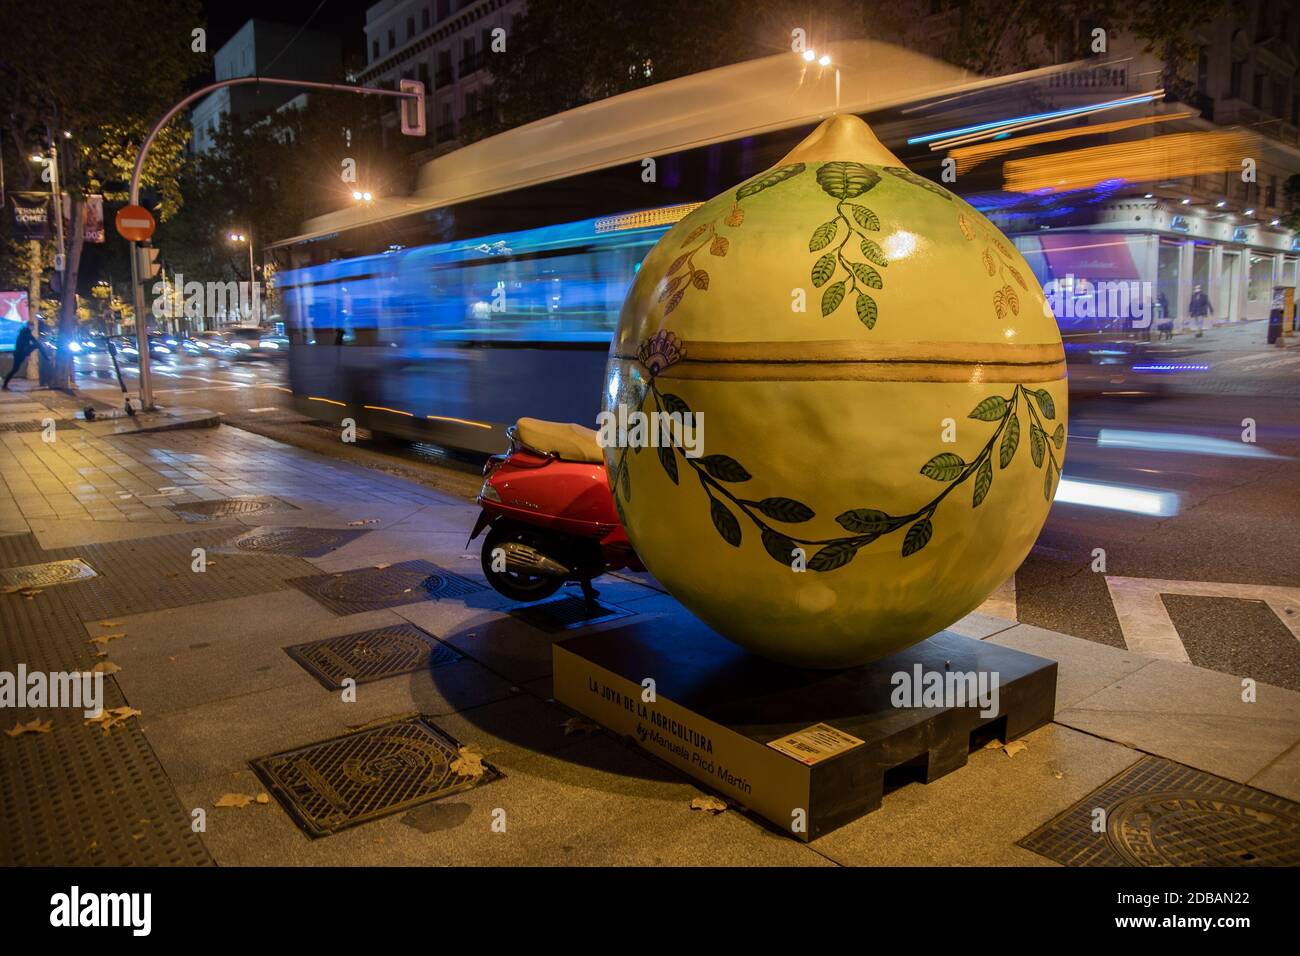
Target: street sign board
[135, 223]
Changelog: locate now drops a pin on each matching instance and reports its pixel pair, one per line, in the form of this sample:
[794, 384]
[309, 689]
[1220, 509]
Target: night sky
[343, 17]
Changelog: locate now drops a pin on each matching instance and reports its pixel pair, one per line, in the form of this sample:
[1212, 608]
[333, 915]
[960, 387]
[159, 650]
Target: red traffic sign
[135, 223]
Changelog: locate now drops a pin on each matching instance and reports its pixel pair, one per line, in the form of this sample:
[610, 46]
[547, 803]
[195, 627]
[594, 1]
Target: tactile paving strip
[228, 507]
[79, 797]
[59, 426]
[568, 613]
[329, 786]
[374, 589]
[372, 655]
[46, 575]
[137, 575]
[296, 542]
[1161, 813]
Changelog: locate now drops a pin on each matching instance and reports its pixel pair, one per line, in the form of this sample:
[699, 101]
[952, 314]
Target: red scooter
[551, 513]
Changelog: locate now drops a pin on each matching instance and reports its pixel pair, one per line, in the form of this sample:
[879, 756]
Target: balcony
[1241, 113]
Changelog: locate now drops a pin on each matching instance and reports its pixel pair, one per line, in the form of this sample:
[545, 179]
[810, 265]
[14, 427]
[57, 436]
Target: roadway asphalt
[1215, 520]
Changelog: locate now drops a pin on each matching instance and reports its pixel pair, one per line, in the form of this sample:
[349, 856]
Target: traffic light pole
[141, 329]
[411, 90]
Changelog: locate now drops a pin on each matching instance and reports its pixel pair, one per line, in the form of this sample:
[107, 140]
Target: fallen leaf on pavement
[108, 719]
[105, 638]
[358, 524]
[105, 667]
[110, 623]
[235, 800]
[380, 567]
[579, 725]
[993, 744]
[31, 727]
[709, 803]
[469, 763]
[263, 797]
[1014, 747]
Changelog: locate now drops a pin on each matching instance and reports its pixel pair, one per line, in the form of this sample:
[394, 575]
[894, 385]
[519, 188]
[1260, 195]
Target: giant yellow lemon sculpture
[877, 400]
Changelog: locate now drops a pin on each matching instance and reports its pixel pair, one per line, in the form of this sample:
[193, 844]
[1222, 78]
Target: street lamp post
[409, 91]
[252, 275]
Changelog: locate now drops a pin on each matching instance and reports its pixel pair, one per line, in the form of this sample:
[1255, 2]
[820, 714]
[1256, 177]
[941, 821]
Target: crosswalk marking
[1146, 624]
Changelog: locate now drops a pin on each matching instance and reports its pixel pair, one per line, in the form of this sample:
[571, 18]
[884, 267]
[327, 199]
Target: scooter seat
[562, 439]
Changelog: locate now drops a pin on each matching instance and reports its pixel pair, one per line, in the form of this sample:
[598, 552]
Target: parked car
[159, 350]
[247, 342]
[204, 343]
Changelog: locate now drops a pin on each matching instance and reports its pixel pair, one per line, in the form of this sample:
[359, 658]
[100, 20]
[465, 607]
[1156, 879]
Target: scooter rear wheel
[516, 585]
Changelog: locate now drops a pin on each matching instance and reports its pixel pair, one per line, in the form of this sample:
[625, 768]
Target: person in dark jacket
[24, 346]
[1198, 308]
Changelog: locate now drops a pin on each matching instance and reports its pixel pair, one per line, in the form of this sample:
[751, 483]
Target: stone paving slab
[975, 815]
[1194, 716]
[594, 803]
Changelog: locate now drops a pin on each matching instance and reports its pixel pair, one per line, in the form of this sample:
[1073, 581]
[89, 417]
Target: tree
[267, 175]
[95, 78]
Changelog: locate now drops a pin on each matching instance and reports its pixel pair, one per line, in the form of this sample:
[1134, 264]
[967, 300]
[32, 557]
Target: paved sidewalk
[320, 551]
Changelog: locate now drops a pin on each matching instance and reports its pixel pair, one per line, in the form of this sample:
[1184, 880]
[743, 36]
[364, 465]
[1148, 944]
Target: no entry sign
[135, 223]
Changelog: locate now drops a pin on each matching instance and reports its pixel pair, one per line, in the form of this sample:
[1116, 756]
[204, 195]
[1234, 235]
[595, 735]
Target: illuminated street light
[809, 55]
[1250, 211]
[1187, 202]
[825, 60]
[1276, 222]
[1220, 204]
[360, 196]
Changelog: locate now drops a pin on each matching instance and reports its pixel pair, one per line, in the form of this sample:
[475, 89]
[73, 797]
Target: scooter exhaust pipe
[527, 560]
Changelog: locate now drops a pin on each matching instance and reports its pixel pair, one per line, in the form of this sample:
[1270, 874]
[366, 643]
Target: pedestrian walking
[1198, 308]
[24, 345]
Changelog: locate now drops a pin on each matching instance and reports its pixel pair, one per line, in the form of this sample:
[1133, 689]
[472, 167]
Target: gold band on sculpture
[867, 362]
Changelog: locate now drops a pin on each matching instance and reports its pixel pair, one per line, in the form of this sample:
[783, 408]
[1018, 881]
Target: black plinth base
[807, 750]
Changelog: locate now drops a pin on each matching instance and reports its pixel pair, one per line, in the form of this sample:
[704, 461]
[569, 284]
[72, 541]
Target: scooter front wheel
[516, 585]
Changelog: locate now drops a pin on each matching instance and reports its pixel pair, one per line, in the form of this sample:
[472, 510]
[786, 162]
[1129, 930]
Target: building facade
[1166, 216]
[445, 44]
[263, 48]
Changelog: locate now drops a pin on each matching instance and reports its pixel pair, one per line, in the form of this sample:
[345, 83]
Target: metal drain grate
[46, 575]
[374, 589]
[567, 613]
[372, 655]
[1161, 813]
[226, 507]
[296, 542]
[330, 786]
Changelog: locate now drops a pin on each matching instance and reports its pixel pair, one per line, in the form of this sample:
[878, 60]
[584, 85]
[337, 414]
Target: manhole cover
[297, 542]
[1161, 813]
[46, 575]
[226, 507]
[567, 613]
[339, 783]
[371, 655]
[373, 589]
